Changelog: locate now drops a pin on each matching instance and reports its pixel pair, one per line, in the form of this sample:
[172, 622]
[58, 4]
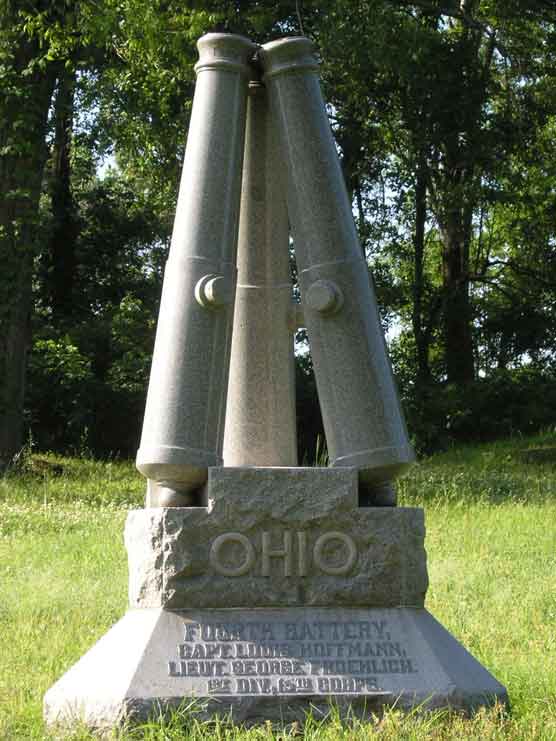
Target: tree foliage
[445, 118]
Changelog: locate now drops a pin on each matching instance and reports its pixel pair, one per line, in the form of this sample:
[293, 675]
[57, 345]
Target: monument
[257, 586]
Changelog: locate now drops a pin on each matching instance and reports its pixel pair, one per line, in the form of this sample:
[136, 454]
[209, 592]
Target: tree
[41, 46]
[443, 91]
[443, 125]
[59, 254]
[27, 80]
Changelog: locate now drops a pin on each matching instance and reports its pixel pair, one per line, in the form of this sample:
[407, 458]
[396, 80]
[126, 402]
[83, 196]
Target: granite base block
[270, 664]
[277, 537]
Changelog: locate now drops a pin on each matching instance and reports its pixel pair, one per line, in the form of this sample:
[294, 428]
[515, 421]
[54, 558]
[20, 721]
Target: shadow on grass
[188, 721]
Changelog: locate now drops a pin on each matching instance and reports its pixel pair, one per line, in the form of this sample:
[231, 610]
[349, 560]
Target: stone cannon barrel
[362, 416]
[183, 427]
[260, 425]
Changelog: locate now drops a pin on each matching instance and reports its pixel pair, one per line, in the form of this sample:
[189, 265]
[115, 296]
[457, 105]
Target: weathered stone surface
[183, 428]
[270, 664]
[260, 427]
[327, 550]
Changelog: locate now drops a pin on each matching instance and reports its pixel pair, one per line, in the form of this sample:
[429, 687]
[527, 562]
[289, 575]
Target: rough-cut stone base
[277, 537]
[270, 664]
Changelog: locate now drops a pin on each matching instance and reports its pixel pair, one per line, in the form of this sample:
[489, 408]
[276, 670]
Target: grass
[491, 543]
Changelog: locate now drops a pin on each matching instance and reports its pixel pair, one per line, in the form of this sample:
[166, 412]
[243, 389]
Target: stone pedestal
[279, 595]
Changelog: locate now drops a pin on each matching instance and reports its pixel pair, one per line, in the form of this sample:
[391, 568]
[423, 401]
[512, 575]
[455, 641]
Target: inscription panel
[291, 657]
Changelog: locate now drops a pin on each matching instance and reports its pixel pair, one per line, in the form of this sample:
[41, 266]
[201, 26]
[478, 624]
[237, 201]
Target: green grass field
[491, 543]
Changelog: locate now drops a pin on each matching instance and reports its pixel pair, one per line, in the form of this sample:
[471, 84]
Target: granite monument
[257, 586]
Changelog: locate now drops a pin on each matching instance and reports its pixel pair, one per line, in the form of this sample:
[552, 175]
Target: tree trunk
[351, 153]
[24, 106]
[422, 338]
[350, 144]
[458, 340]
[61, 249]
